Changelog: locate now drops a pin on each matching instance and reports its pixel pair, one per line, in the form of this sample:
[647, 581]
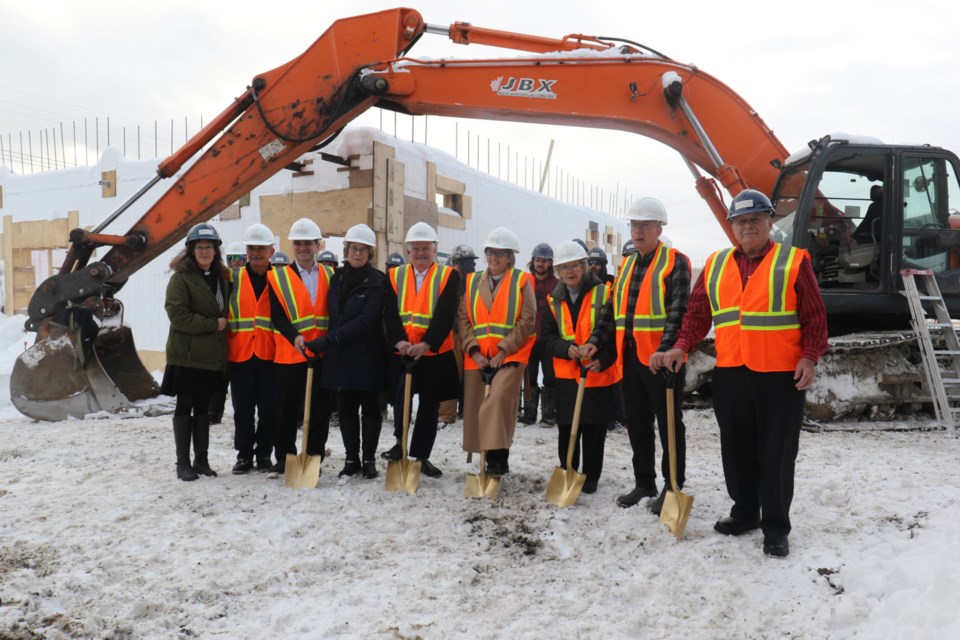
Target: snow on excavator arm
[358, 63]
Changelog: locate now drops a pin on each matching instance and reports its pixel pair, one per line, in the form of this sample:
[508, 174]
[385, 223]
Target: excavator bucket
[49, 383]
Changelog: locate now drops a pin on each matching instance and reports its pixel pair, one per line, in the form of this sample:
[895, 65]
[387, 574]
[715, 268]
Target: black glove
[318, 345]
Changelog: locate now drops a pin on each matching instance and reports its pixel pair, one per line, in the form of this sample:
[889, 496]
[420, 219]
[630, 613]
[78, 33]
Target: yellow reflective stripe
[770, 321]
[725, 317]
[626, 274]
[560, 314]
[712, 279]
[299, 322]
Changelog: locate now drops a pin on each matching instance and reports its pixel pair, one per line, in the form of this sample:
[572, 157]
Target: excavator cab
[864, 211]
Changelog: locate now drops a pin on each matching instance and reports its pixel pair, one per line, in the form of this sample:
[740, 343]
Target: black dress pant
[425, 426]
[253, 392]
[759, 415]
[291, 391]
[645, 400]
[358, 431]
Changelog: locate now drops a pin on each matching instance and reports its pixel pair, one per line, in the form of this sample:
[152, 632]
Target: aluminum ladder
[941, 365]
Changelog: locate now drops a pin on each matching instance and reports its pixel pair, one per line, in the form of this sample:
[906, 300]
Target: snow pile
[100, 540]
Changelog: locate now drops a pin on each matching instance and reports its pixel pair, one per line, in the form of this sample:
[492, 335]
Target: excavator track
[863, 375]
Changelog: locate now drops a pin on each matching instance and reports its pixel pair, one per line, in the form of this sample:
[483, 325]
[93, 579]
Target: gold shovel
[404, 474]
[676, 505]
[300, 470]
[479, 485]
[565, 484]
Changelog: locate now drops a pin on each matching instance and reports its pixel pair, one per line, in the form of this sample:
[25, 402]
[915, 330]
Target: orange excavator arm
[358, 63]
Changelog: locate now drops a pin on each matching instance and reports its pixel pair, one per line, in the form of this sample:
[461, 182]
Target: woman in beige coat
[495, 323]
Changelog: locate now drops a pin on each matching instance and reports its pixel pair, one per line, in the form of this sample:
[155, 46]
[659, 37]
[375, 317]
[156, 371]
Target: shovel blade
[301, 471]
[403, 475]
[564, 487]
[481, 486]
[676, 512]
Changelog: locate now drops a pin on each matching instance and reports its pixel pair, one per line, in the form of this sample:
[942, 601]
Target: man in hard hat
[544, 282]
[236, 255]
[279, 259]
[419, 313]
[250, 353]
[770, 330]
[298, 312]
[463, 260]
[327, 259]
[597, 262]
[394, 260]
[649, 300]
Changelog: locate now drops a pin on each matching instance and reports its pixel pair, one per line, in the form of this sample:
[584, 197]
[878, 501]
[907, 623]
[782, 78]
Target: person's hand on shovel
[497, 360]
[671, 360]
[586, 353]
[416, 350]
[315, 346]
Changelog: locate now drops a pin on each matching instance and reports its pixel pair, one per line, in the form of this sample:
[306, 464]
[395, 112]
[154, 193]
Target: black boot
[548, 415]
[350, 467]
[643, 471]
[181, 436]
[201, 441]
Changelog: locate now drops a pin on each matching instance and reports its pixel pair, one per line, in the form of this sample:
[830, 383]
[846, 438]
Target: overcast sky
[883, 68]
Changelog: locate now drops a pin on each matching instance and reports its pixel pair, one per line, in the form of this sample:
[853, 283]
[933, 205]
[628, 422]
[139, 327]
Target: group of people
[479, 337]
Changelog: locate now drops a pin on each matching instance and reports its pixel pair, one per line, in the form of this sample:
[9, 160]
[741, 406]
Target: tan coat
[498, 412]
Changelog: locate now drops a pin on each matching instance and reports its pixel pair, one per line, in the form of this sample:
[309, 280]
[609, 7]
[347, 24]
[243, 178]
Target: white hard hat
[361, 233]
[502, 238]
[666, 242]
[568, 251]
[305, 229]
[236, 249]
[421, 232]
[258, 235]
[647, 209]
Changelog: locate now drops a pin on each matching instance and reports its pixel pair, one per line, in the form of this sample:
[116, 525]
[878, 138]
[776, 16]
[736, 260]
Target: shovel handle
[575, 425]
[306, 408]
[672, 437]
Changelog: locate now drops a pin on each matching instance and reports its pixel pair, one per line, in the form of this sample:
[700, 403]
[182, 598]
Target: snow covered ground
[98, 539]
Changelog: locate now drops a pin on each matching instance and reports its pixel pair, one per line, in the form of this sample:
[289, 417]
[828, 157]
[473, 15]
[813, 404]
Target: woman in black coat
[355, 351]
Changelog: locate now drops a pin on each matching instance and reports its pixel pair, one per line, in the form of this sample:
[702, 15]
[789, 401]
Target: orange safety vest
[492, 325]
[249, 330]
[758, 325]
[650, 314]
[417, 307]
[310, 317]
[590, 311]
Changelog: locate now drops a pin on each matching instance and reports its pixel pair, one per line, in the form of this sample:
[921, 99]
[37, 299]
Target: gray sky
[883, 68]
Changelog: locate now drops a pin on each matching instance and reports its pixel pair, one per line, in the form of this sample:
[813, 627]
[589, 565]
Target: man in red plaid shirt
[770, 330]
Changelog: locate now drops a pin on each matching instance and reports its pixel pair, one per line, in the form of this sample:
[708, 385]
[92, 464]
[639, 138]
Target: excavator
[862, 209]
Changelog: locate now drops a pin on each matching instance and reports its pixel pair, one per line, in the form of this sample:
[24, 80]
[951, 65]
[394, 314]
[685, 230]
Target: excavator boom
[361, 62]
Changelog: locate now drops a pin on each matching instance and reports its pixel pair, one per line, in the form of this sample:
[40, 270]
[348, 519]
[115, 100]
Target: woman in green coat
[196, 305]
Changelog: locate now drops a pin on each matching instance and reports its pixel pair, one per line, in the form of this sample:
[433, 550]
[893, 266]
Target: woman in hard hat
[355, 350]
[196, 344]
[496, 324]
[575, 308]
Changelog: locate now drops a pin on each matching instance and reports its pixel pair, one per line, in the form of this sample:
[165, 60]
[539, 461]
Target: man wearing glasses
[649, 300]
[770, 329]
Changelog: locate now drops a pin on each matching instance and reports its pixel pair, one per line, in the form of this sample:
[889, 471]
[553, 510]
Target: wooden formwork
[20, 241]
